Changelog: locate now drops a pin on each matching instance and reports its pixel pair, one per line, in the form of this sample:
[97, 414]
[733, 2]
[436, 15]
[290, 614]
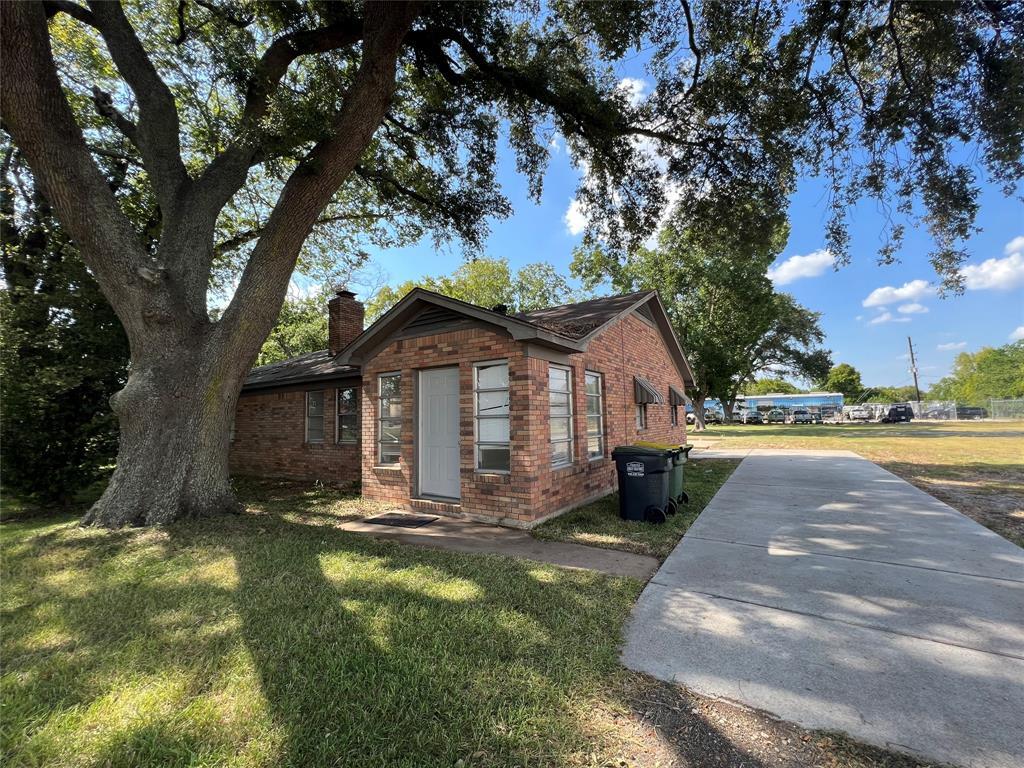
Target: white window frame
[599, 397]
[338, 414]
[641, 416]
[477, 417]
[571, 439]
[323, 419]
[381, 419]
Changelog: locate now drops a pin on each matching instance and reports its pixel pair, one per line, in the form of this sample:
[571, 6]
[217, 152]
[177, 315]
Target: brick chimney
[344, 319]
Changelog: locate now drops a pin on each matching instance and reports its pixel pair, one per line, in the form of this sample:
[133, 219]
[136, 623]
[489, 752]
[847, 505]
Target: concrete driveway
[823, 589]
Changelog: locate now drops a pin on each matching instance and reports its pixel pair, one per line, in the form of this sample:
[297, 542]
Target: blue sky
[868, 310]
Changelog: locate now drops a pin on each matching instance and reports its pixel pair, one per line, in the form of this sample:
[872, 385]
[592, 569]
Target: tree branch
[37, 115]
[157, 131]
[317, 178]
[698, 56]
[74, 10]
[226, 174]
[247, 236]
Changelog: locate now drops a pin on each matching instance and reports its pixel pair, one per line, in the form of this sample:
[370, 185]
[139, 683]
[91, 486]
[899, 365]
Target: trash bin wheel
[671, 508]
[655, 515]
[684, 497]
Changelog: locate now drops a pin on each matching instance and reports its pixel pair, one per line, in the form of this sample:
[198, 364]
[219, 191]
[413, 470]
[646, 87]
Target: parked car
[938, 413]
[802, 416]
[971, 412]
[753, 417]
[860, 413]
[776, 416]
[712, 417]
[897, 413]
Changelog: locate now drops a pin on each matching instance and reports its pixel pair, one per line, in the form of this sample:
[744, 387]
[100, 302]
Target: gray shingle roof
[309, 367]
[579, 319]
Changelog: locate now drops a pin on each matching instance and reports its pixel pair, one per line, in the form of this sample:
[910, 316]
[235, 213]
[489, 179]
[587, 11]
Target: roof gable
[420, 303]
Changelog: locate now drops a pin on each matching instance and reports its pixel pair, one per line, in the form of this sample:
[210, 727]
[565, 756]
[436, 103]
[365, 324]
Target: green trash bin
[679, 454]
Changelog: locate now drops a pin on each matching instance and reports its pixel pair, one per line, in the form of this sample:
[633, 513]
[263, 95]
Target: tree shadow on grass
[258, 640]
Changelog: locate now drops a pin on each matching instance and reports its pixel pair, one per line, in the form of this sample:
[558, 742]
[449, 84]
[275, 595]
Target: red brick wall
[498, 496]
[629, 347]
[533, 489]
[270, 439]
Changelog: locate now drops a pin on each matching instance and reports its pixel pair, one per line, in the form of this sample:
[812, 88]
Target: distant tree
[770, 386]
[902, 394]
[486, 283]
[301, 327]
[62, 351]
[728, 317]
[989, 373]
[843, 378]
[791, 343]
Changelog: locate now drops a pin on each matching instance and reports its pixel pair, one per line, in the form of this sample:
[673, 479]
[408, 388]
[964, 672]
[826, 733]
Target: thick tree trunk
[175, 420]
[698, 413]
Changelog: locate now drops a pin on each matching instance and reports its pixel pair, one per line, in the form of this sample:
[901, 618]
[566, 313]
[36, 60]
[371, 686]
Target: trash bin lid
[639, 450]
[670, 447]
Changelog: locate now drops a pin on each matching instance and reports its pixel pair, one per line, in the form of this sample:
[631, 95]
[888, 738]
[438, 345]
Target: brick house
[456, 409]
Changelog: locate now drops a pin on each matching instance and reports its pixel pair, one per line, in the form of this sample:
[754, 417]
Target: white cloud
[997, 274]
[912, 309]
[634, 88]
[575, 218]
[887, 294]
[797, 267]
[887, 317]
[951, 346]
[1018, 333]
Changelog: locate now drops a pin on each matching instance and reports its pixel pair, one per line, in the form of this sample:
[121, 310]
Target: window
[675, 415]
[595, 415]
[315, 417]
[348, 415]
[389, 418]
[641, 415]
[490, 397]
[560, 410]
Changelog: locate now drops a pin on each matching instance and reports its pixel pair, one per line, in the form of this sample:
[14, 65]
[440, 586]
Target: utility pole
[913, 368]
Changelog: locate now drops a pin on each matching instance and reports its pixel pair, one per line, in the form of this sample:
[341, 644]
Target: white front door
[439, 433]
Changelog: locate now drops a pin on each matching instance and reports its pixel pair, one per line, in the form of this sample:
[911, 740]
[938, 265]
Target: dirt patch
[665, 725]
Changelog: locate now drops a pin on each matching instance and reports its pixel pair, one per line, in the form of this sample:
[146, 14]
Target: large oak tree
[402, 104]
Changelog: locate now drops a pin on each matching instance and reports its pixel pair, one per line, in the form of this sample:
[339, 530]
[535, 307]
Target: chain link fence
[939, 410]
[1007, 409]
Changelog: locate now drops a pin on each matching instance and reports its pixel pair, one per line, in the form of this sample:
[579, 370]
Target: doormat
[401, 520]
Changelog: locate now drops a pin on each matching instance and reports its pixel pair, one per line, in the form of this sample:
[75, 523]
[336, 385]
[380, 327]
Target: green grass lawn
[259, 641]
[599, 524]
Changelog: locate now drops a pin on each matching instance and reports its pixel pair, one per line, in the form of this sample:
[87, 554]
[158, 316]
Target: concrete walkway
[821, 588]
[465, 536]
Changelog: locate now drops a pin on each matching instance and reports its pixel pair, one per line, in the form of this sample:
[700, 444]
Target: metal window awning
[645, 392]
[675, 397]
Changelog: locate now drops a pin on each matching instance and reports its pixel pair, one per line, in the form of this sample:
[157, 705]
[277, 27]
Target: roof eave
[291, 382]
